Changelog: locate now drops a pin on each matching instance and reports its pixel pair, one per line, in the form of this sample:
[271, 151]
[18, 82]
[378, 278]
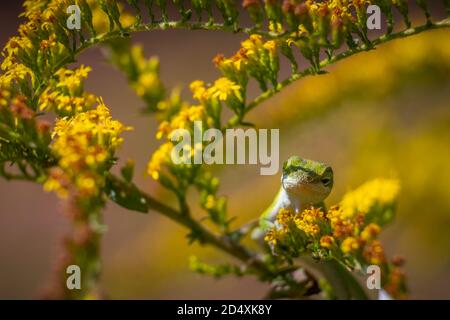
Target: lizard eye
[326, 181]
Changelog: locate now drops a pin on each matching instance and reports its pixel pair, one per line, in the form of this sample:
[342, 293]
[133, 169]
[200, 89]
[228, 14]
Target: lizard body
[304, 183]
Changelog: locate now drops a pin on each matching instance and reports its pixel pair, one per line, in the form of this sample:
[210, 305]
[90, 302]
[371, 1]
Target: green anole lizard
[304, 183]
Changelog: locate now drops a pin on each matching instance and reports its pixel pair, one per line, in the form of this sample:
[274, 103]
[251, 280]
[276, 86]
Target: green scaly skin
[304, 183]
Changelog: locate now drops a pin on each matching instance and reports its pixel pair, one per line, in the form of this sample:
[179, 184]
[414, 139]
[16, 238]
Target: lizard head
[309, 180]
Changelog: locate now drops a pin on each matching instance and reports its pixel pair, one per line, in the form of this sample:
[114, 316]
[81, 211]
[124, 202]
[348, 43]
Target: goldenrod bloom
[370, 232]
[361, 200]
[327, 242]
[308, 221]
[223, 88]
[349, 244]
[159, 158]
[83, 144]
[374, 253]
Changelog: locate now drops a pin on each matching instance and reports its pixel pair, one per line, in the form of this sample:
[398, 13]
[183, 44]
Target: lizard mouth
[289, 183]
[309, 189]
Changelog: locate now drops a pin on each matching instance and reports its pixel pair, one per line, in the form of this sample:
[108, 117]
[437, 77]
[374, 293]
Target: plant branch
[327, 62]
[201, 233]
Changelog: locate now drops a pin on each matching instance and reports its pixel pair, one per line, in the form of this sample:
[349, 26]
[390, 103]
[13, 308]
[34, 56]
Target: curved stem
[199, 231]
[327, 62]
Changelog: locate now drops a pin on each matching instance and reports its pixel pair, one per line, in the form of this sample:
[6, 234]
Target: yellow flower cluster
[378, 191]
[12, 48]
[84, 144]
[347, 220]
[285, 216]
[271, 237]
[349, 245]
[16, 72]
[223, 88]
[309, 221]
[72, 79]
[343, 231]
[4, 96]
[160, 157]
[199, 91]
[327, 242]
[340, 225]
[41, 23]
[66, 96]
[148, 81]
[255, 58]
[182, 120]
[374, 253]
[354, 235]
[185, 117]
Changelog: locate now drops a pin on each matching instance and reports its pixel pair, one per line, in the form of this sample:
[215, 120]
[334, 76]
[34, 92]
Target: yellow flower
[186, 116]
[163, 129]
[195, 112]
[275, 27]
[16, 72]
[252, 44]
[83, 71]
[198, 89]
[48, 43]
[223, 88]
[58, 182]
[270, 46]
[340, 225]
[309, 221]
[83, 144]
[146, 82]
[327, 242]
[159, 157]
[210, 202]
[285, 216]
[137, 54]
[370, 232]
[361, 200]
[349, 245]
[374, 253]
[72, 79]
[12, 48]
[271, 237]
[4, 97]
[87, 185]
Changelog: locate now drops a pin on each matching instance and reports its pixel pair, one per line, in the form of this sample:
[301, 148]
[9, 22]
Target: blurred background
[384, 113]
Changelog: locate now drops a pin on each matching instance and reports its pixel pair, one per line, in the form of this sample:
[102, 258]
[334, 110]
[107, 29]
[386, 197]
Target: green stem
[327, 62]
[204, 235]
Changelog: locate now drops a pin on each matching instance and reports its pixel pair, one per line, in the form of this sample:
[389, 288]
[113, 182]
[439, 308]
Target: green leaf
[126, 195]
[127, 171]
